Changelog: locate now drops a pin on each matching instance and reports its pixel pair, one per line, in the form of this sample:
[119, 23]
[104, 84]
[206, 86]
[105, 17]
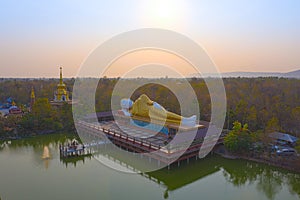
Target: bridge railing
[147, 145]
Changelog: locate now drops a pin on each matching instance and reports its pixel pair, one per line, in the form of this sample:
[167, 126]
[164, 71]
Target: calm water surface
[24, 174]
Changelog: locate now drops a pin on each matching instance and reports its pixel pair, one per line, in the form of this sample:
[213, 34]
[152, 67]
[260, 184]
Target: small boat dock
[73, 149]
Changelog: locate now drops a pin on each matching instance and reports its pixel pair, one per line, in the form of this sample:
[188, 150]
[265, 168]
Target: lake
[24, 174]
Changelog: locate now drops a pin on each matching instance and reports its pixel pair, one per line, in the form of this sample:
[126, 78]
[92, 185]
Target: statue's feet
[189, 121]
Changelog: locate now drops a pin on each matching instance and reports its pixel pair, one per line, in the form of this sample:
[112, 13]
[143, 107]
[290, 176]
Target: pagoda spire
[32, 98]
[32, 93]
[60, 78]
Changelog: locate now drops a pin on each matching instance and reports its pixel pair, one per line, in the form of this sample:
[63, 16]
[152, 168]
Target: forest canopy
[268, 104]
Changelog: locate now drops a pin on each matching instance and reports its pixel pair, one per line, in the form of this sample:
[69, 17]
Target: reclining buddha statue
[145, 108]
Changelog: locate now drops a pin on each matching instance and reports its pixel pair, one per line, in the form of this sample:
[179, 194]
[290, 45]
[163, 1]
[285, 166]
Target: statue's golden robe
[143, 107]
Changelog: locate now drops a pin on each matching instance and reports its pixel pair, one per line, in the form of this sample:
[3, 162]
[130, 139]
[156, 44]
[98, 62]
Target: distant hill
[292, 74]
[251, 74]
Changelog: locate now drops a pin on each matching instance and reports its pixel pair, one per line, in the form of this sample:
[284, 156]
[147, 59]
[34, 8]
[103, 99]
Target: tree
[239, 139]
[44, 117]
[297, 147]
[252, 118]
[296, 119]
[241, 110]
[11, 121]
[27, 121]
[41, 108]
[2, 125]
[273, 125]
[66, 117]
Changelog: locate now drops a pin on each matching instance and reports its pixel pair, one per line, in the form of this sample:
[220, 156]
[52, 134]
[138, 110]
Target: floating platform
[72, 150]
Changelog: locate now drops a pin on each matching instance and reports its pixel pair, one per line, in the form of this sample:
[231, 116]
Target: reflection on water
[73, 161]
[46, 153]
[46, 156]
[268, 181]
[44, 147]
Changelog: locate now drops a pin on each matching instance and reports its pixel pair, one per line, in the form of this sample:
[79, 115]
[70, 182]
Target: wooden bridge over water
[154, 146]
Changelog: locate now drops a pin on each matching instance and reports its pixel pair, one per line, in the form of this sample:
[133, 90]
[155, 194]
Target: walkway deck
[138, 140]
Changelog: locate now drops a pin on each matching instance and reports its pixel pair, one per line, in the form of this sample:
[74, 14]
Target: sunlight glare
[163, 12]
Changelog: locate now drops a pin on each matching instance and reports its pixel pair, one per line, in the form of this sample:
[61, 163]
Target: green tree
[273, 125]
[11, 121]
[27, 121]
[44, 117]
[1, 125]
[252, 118]
[66, 117]
[41, 108]
[239, 139]
[297, 147]
[241, 110]
[295, 119]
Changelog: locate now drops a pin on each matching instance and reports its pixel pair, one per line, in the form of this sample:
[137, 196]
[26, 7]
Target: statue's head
[126, 103]
[146, 99]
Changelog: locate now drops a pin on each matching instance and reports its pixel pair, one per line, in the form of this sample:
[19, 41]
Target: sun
[163, 12]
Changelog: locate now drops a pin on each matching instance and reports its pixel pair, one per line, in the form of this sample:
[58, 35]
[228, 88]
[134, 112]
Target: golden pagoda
[61, 95]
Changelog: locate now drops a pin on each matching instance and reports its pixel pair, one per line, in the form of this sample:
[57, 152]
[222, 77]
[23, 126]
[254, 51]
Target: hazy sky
[255, 35]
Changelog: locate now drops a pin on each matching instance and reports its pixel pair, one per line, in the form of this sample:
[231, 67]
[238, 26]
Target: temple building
[10, 108]
[15, 110]
[61, 94]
